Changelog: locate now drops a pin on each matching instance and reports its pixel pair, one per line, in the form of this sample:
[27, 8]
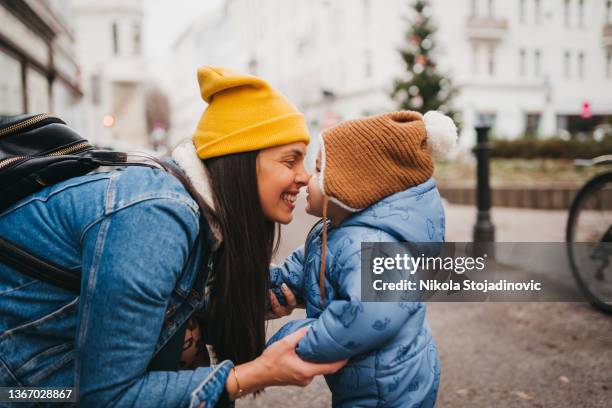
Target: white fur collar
[187, 158]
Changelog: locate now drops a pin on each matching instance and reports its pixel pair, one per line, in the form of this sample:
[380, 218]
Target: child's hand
[276, 309]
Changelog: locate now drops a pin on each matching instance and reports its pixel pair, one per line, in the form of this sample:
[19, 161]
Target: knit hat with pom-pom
[366, 160]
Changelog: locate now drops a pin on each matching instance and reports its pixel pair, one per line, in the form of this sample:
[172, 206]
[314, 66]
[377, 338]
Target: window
[335, 23]
[608, 11]
[95, 89]
[253, 65]
[522, 62]
[532, 125]
[609, 64]
[491, 8]
[522, 11]
[538, 11]
[491, 60]
[302, 44]
[566, 12]
[475, 52]
[37, 88]
[11, 91]
[137, 39]
[581, 13]
[566, 64]
[486, 119]
[366, 12]
[474, 8]
[115, 30]
[581, 65]
[368, 63]
[537, 57]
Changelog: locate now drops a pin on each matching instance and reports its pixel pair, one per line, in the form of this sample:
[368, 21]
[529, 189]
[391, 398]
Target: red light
[586, 110]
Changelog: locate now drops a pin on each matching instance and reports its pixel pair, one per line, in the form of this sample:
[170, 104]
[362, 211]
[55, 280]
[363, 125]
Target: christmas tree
[422, 88]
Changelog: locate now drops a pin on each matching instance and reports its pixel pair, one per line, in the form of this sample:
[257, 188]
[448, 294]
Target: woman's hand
[285, 367]
[276, 309]
[279, 365]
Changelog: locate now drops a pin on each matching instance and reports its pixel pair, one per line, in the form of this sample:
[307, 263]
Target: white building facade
[37, 61]
[110, 50]
[527, 67]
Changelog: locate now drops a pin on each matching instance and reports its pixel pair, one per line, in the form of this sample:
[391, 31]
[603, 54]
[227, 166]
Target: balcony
[486, 28]
[606, 35]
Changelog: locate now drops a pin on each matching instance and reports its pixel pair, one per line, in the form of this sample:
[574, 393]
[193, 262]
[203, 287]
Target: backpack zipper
[25, 123]
[67, 150]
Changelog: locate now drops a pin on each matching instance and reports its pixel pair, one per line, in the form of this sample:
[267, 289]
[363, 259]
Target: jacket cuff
[210, 390]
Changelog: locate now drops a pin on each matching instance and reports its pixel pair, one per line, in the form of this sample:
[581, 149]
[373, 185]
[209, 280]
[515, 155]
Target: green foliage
[422, 87]
[551, 148]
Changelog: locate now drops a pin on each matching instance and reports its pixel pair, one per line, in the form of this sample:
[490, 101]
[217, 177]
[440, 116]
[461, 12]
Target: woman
[136, 236]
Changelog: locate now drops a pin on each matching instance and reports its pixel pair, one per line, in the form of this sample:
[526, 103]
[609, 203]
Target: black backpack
[40, 150]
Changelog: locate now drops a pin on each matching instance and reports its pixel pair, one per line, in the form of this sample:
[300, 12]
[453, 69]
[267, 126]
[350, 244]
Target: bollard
[484, 230]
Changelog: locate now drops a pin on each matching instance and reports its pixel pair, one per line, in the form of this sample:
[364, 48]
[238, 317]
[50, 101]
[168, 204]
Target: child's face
[314, 198]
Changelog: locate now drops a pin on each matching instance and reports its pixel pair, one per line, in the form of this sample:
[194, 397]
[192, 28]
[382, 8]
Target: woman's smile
[289, 199]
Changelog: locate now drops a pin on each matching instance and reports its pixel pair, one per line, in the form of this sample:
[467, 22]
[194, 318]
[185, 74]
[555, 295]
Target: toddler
[373, 183]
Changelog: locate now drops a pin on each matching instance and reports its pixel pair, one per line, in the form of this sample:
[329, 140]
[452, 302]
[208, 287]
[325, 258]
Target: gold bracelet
[240, 390]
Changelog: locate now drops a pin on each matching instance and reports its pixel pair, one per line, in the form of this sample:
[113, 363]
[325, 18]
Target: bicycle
[590, 221]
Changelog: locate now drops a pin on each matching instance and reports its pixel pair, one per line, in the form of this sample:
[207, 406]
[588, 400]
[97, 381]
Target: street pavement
[493, 354]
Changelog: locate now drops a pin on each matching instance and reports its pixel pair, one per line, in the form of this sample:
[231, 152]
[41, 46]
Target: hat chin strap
[323, 251]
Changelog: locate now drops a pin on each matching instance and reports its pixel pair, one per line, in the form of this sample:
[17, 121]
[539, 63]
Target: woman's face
[280, 175]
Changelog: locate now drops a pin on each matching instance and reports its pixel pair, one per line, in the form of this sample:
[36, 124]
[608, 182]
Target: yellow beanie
[244, 113]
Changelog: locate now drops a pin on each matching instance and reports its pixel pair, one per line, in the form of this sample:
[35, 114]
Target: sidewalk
[494, 354]
[511, 224]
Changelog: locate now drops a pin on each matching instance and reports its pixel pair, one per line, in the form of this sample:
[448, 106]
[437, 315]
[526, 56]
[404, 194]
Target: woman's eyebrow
[296, 152]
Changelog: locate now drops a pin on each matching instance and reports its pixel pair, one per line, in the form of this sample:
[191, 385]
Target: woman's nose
[302, 177]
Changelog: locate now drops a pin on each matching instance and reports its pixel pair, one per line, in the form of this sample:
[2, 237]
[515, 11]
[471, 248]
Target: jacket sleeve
[348, 326]
[291, 272]
[132, 259]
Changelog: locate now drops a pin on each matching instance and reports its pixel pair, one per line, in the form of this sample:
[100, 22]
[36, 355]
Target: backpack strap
[50, 272]
[39, 268]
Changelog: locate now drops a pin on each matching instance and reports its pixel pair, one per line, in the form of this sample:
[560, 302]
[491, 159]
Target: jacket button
[171, 309]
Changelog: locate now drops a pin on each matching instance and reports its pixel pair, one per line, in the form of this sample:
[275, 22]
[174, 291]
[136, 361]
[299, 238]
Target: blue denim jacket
[134, 234]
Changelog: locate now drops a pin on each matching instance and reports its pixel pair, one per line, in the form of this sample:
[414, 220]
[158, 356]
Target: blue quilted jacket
[393, 358]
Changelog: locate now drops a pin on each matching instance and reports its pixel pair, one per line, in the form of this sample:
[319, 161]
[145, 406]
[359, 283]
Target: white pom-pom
[441, 134]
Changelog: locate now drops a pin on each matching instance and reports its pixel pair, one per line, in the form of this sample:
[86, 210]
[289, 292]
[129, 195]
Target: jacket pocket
[46, 363]
[37, 350]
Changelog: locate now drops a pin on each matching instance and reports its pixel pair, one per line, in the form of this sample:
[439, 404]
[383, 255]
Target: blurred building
[530, 67]
[334, 59]
[527, 67]
[110, 51]
[37, 60]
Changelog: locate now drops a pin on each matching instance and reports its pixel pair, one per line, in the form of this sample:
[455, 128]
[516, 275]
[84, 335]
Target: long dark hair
[236, 312]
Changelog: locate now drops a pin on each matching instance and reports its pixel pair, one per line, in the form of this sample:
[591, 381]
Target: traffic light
[586, 110]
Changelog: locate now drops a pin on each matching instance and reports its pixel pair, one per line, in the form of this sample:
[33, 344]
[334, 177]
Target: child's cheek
[315, 202]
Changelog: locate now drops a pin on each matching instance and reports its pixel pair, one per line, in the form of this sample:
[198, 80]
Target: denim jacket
[134, 234]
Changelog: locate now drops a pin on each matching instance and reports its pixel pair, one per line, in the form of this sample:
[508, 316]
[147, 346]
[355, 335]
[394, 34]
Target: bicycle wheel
[590, 221]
